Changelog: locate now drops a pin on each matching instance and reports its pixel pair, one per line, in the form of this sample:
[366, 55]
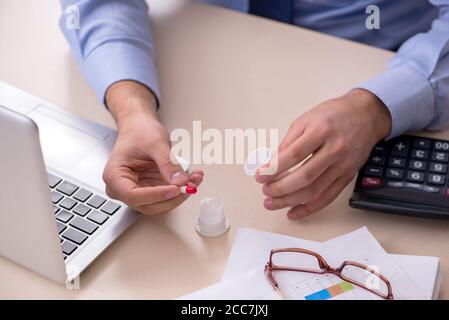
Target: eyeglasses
[302, 260]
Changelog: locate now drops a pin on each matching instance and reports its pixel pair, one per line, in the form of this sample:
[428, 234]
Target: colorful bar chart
[330, 292]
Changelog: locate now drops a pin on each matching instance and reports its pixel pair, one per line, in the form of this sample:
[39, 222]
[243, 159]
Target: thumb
[170, 170]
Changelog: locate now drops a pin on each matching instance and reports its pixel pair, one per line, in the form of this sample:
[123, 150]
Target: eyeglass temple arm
[273, 282]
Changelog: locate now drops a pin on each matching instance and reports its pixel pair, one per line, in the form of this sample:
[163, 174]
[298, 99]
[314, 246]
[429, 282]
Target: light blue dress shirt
[114, 43]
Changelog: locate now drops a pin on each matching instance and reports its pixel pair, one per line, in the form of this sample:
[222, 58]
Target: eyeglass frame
[325, 268]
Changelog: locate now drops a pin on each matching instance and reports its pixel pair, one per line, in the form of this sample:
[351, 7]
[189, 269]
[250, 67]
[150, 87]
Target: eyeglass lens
[365, 278]
[296, 260]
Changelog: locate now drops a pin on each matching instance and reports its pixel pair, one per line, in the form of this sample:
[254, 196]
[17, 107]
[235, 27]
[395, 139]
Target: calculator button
[373, 171]
[396, 162]
[396, 184]
[436, 179]
[438, 167]
[430, 189]
[440, 156]
[441, 146]
[394, 173]
[400, 148]
[380, 148]
[411, 185]
[415, 186]
[422, 143]
[418, 165]
[420, 154]
[370, 182]
[376, 159]
[415, 176]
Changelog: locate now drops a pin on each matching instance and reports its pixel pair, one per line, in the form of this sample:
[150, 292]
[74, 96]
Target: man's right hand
[140, 171]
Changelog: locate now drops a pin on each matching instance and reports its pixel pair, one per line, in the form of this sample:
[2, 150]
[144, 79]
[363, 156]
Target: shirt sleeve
[415, 88]
[112, 42]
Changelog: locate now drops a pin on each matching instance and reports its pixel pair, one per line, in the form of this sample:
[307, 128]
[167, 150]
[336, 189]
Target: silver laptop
[55, 218]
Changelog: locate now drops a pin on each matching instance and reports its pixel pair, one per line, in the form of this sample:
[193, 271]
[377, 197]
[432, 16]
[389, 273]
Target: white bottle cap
[256, 159]
[212, 221]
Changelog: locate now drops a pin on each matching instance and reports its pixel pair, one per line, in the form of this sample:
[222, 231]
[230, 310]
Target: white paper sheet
[251, 285]
[252, 248]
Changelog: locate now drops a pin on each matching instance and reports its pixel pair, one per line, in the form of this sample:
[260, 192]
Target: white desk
[229, 70]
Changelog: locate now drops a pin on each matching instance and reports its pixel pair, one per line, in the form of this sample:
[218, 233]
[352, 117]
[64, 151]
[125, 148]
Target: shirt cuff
[115, 61]
[408, 96]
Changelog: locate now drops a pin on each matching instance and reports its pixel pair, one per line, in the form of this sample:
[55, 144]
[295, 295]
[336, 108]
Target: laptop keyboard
[79, 212]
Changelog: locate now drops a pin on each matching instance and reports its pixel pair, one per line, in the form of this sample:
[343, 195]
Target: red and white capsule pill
[188, 189]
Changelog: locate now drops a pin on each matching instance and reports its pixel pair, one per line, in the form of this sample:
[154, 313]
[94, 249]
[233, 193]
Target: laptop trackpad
[63, 144]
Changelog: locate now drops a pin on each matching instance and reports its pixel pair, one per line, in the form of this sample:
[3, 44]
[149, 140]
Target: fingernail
[177, 177]
[171, 194]
[268, 203]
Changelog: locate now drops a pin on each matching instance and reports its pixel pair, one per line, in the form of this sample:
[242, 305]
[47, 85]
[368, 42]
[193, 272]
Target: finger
[168, 205]
[197, 171]
[305, 194]
[196, 179]
[296, 130]
[171, 172]
[162, 207]
[321, 201]
[301, 177]
[126, 190]
[298, 151]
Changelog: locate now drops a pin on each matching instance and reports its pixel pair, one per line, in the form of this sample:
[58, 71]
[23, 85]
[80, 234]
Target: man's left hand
[339, 134]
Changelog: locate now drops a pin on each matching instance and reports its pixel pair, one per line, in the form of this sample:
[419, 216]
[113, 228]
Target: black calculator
[406, 175]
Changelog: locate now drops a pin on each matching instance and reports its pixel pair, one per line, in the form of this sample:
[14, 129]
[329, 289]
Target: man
[115, 51]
